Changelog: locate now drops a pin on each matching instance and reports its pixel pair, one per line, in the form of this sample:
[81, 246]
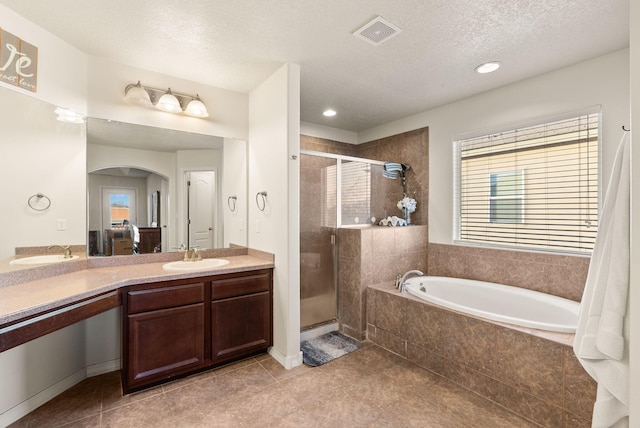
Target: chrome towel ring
[231, 203]
[261, 196]
[39, 202]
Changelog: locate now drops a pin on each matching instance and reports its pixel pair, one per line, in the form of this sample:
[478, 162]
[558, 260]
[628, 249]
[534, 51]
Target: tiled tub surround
[559, 275]
[370, 256]
[533, 374]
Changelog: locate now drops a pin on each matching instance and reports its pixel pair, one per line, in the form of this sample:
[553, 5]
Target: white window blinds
[534, 187]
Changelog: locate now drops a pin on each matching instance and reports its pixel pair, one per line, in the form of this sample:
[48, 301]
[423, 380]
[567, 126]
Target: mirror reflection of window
[119, 204]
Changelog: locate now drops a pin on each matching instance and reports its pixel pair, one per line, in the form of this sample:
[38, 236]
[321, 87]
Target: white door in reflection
[201, 208]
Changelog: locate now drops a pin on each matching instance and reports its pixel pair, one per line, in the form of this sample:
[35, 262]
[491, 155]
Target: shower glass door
[318, 222]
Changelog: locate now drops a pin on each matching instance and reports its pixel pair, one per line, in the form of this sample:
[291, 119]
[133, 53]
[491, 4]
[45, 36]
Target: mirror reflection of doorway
[201, 208]
[134, 195]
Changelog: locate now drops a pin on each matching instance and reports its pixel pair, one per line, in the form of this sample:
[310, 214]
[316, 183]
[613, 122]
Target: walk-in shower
[335, 191]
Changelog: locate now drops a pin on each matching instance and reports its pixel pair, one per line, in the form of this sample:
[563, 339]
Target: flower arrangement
[408, 204]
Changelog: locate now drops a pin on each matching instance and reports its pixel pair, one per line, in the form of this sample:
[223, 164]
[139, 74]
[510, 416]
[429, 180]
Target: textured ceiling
[237, 44]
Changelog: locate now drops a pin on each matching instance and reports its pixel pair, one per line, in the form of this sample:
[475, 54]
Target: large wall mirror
[156, 190]
[173, 186]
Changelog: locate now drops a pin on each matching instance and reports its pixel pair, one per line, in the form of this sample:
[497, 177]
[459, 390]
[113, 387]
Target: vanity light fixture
[196, 108]
[169, 103]
[136, 94]
[165, 100]
[68, 116]
[329, 113]
[488, 67]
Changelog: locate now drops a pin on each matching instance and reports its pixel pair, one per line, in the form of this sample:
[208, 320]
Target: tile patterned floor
[367, 388]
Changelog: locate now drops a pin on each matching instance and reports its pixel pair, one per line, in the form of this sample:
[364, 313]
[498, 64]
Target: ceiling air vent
[377, 31]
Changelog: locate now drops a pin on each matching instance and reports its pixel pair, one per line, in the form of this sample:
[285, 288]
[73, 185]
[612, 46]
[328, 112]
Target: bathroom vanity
[173, 328]
[174, 323]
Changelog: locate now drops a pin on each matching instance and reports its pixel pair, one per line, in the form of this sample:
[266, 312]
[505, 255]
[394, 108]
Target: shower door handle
[333, 239]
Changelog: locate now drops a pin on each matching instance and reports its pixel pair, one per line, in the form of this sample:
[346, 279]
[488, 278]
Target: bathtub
[497, 302]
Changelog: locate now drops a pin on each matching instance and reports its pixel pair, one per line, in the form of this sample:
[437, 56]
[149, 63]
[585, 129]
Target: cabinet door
[240, 326]
[164, 343]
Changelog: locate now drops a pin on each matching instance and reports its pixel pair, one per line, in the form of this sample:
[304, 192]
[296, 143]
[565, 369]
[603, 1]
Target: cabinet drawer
[164, 297]
[238, 286]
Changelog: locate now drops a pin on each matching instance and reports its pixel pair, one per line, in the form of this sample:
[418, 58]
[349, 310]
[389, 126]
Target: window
[533, 187]
[505, 200]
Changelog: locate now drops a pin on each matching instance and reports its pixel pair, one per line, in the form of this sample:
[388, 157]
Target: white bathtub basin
[203, 264]
[498, 302]
[41, 260]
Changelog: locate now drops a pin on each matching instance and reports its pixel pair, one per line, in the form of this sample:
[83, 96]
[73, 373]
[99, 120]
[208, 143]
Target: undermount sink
[197, 265]
[40, 260]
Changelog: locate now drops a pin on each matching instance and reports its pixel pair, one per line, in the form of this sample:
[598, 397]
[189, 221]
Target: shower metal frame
[339, 159]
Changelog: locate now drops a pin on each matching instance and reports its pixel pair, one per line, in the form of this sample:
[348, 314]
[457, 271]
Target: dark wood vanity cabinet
[174, 328]
[164, 332]
[241, 321]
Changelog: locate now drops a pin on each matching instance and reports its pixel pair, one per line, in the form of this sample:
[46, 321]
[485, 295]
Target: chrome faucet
[401, 280]
[65, 248]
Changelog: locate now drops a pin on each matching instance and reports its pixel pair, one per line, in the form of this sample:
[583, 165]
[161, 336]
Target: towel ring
[231, 203]
[261, 196]
[39, 198]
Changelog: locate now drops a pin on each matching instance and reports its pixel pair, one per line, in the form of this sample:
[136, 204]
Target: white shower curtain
[602, 338]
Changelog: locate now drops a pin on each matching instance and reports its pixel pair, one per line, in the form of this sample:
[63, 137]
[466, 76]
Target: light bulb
[196, 108]
[169, 103]
[136, 94]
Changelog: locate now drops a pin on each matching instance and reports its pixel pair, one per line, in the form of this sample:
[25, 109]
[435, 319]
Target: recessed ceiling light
[488, 67]
[329, 113]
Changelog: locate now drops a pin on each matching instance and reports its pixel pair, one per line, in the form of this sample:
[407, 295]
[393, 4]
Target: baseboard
[102, 368]
[286, 362]
[29, 405]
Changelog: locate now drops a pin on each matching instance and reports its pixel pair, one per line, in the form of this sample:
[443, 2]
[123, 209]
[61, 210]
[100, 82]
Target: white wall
[320, 131]
[634, 405]
[62, 69]
[274, 137]
[602, 81]
[39, 155]
[234, 183]
[228, 110]
[30, 376]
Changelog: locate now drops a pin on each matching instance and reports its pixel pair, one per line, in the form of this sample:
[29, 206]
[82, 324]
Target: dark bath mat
[322, 349]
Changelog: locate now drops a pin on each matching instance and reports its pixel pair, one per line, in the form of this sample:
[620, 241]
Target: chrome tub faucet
[401, 280]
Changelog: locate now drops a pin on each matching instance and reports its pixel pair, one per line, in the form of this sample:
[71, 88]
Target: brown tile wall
[410, 148]
[536, 378]
[562, 276]
[370, 256]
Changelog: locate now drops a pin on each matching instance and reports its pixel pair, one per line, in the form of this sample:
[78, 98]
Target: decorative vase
[407, 216]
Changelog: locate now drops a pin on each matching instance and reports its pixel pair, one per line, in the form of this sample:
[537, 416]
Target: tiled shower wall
[368, 256]
[411, 148]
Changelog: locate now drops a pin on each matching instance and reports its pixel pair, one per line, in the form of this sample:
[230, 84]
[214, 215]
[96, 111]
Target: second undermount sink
[41, 260]
[203, 264]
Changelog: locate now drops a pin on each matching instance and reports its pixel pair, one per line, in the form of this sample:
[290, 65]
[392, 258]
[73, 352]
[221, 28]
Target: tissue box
[122, 246]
